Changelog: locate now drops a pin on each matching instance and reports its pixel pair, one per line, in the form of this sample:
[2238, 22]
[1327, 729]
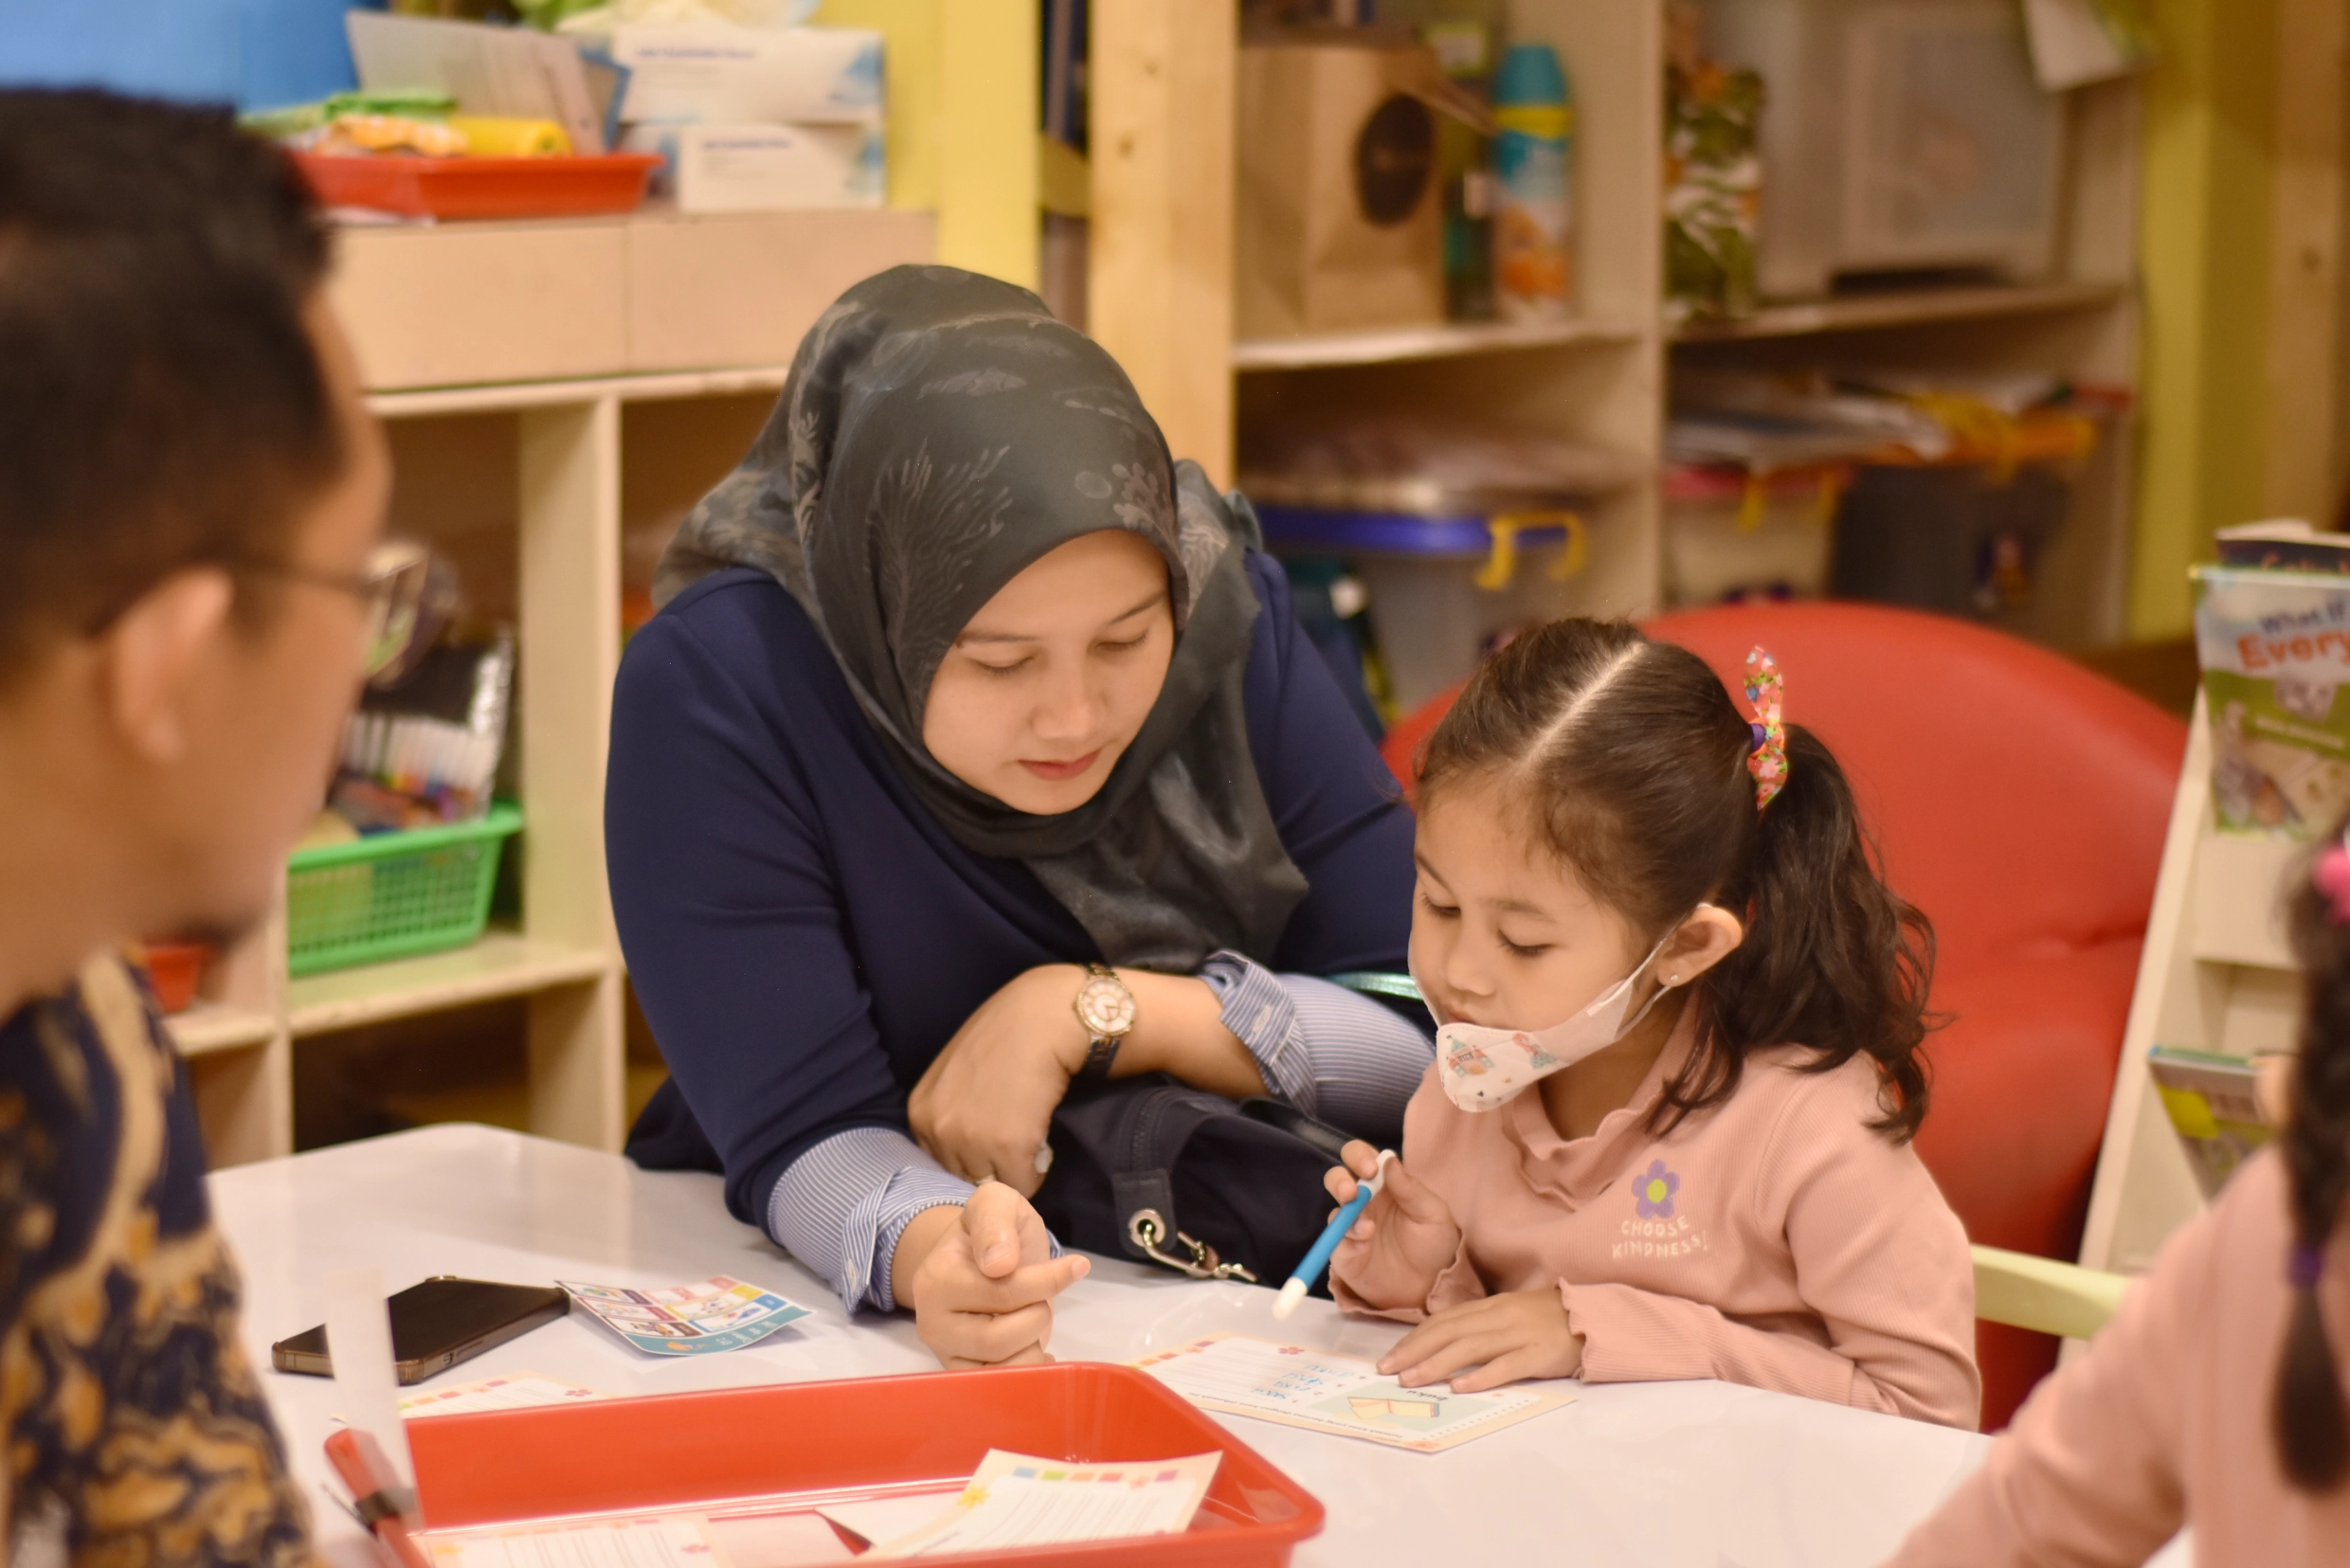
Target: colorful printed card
[1238, 1375]
[708, 1315]
[515, 1391]
[1018, 1499]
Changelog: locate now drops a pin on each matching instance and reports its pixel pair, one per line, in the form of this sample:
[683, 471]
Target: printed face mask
[1482, 1067]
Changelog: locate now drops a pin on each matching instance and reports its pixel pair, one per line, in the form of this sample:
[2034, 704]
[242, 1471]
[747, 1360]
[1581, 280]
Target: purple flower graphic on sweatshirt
[1654, 1188]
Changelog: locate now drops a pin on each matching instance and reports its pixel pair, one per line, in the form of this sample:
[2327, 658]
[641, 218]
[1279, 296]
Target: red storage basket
[802, 1446]
[480, 188]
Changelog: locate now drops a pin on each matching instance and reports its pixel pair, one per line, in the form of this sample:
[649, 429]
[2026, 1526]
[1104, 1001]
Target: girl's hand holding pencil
[1406, 1237]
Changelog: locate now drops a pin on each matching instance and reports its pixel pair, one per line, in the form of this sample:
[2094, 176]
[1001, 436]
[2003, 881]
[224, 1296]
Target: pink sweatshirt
[2165, 1421]
[1772, 1240]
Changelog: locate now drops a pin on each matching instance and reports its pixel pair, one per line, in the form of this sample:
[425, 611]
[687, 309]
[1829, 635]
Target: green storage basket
[393, 894]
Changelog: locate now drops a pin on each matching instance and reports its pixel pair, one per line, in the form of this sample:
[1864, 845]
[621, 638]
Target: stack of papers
[1011, 1500]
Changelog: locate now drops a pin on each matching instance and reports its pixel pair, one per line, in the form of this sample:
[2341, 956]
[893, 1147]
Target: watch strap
[1098, 1056]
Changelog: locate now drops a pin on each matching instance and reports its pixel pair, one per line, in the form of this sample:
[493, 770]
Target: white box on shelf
[1900, 134]
[764, 168]
[716, 73]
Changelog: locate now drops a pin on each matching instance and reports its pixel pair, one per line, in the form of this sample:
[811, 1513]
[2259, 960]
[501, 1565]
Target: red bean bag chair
[2020, 801]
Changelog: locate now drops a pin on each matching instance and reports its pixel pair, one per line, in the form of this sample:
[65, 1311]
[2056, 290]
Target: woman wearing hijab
[976, 750]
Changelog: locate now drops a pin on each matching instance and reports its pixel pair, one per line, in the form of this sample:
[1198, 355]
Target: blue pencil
[1318, 1258]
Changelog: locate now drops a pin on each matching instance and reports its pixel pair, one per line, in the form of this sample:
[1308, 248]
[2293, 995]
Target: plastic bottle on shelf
[1533, 208]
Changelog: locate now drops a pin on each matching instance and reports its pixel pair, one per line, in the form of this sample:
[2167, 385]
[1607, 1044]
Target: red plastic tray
[480, 187]
[804, 1445]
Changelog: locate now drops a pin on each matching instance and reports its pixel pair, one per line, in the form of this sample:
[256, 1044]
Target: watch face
[1105, 1006]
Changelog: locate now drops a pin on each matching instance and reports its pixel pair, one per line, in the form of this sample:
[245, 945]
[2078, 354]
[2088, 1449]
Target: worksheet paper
[708, 1315]
[1238, 1375]
[1019, 1500]
[662, 1541]
[516, 1391]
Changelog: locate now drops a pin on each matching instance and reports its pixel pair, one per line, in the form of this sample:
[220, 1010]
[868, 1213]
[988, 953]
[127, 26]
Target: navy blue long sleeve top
[804, 937]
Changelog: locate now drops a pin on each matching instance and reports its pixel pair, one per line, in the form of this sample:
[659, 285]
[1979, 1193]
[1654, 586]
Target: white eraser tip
[1292, 1293]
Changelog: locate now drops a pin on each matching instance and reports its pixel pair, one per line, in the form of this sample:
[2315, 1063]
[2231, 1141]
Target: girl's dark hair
[1630, 762]
[2312, 1429]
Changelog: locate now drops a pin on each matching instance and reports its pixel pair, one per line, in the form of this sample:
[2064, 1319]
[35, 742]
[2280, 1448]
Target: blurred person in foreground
[191, 493]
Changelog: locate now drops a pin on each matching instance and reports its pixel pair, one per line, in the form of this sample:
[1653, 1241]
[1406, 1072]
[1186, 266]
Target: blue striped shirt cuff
[1329, 1051]
[841, 1207]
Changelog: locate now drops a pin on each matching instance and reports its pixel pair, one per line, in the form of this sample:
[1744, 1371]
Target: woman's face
[1052, 679]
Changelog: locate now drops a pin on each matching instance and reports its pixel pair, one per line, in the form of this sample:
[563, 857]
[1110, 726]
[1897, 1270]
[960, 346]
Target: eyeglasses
[410, 594]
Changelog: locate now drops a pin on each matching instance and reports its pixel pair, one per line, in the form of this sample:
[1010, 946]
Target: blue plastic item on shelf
[1394, 532]
[255, 54]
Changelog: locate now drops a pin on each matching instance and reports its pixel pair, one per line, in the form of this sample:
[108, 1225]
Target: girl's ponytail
[1832, 958]
[2312, 1429]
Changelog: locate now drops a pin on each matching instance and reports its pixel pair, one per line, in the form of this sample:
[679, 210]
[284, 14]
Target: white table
[1707, 1476]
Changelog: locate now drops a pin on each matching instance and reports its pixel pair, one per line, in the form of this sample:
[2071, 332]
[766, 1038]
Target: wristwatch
[1106, 1007]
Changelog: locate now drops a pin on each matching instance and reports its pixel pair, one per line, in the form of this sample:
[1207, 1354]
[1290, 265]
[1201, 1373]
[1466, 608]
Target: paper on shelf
[1238, 1375]
[516, 73]
[1019, 1500]
[515, 1391]
[696, 1319]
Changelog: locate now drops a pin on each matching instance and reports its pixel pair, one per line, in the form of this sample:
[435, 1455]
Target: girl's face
[1503, 934]
[1052, 679]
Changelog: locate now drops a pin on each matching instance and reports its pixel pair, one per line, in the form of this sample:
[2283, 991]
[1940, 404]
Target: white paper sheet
[887, 1518]
[660, 1540]
[1326, 1392]
[1019, 1500]
[515, 1391]
[515, 71]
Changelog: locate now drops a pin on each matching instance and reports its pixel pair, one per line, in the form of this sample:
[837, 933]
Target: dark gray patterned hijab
[940, 430]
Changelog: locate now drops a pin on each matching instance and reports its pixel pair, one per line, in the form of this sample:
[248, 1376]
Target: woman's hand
[1405, 1238]
[1506, 1338]
[981, 1279]
[984, 1108]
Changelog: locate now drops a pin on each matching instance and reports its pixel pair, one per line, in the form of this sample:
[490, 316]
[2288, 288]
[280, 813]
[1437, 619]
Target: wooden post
[1159, 282]
[2304, 260]
[570, 652]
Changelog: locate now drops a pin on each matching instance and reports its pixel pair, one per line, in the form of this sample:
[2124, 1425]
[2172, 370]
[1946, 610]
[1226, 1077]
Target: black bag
[1151, 1168]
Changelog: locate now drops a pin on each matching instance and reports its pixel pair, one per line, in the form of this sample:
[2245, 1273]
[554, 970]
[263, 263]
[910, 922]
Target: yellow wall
[962, 89]
[2203, 249]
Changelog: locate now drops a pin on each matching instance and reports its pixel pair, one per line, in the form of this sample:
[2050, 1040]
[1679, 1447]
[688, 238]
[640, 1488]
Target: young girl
[1705, 1171]
[2214, 1398]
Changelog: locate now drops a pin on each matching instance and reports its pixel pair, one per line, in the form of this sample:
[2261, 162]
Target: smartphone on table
[437, 1323]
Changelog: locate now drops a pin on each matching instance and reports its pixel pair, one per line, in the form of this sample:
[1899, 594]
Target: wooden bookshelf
[2216, 975]
[1160, 286]
[511, 426]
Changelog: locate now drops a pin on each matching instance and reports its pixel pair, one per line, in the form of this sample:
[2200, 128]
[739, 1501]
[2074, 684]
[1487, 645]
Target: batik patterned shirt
[126, 1399]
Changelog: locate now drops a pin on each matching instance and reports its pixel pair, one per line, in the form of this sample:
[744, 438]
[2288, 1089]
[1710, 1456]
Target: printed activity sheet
[662, 1541]
[708, 1315]
[1019, 1500]
[515, 1391]
[1239, 1375]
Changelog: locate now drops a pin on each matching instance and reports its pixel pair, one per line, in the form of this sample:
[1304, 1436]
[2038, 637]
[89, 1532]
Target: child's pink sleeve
[2087, 1474]
[1878, 1255]
[1459, 1282]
